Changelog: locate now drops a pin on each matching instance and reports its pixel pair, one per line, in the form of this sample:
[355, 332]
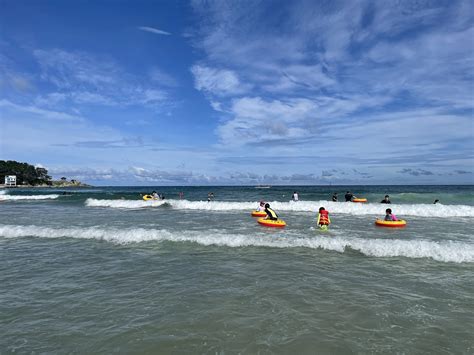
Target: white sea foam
[2, 192]
[421, 210]
[448, 251]
[133, 204]
[28, 197]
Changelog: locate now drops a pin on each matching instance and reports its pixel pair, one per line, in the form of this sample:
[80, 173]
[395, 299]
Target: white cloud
[82, 78]
[382, 82]
[255, 120]
[153, 96]
[219, 82]
[153, 30]
[9, 109]
[65, 69]
[163, 78]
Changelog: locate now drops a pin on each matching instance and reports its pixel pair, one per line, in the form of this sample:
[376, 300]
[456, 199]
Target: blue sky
[239, 92]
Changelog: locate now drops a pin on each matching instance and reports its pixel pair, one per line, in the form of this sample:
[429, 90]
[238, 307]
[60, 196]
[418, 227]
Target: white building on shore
[10, 180]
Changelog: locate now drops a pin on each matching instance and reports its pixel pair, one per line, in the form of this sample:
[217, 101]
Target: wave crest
[132, 204]
[29, 197]
[449, 251]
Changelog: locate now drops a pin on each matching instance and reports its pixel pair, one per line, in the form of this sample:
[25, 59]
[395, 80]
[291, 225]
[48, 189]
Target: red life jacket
[324, 217]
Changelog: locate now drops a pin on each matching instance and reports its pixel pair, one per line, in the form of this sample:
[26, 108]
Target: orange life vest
[323, 218]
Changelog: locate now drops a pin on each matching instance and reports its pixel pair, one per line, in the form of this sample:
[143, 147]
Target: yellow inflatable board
[258, 213]
[269, 223]
[392, 224]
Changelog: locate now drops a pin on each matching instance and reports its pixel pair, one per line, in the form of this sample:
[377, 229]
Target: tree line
[26, 174]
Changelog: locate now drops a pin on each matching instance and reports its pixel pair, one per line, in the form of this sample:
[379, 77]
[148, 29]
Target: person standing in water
[349, 196]
[386, 199]
[334, 197]
[295, 196]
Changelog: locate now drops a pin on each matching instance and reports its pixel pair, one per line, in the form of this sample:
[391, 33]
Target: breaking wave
[92, 202]
[28, 197]
[449, 251]
[421, 210]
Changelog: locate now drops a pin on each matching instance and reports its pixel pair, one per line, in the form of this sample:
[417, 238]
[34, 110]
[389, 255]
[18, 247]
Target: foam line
[449, 251]
[133, 204]
[28, 197]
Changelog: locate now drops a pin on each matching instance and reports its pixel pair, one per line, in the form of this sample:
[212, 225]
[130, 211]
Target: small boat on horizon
[262, 186]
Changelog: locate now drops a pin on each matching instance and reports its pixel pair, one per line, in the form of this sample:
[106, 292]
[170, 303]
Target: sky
[239, 92]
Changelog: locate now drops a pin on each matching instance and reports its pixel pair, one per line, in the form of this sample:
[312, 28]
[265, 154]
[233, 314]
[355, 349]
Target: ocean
[99, 270]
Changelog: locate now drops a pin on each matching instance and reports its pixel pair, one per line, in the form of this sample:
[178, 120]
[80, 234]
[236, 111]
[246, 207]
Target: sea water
[99, 270]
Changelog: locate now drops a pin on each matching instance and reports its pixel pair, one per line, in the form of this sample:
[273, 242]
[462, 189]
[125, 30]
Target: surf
[6, 197]
[446, 251]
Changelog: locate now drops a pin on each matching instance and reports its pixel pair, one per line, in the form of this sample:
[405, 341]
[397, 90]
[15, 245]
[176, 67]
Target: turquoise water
[101, 271]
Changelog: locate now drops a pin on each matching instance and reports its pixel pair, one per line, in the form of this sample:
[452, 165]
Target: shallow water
[102, 271]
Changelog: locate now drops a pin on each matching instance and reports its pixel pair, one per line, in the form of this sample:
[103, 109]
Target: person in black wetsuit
[270, 213]
[386, 199]
[349, 196]
[334, 197]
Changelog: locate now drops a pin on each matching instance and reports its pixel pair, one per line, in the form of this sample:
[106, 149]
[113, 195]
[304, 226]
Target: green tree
[25, 173]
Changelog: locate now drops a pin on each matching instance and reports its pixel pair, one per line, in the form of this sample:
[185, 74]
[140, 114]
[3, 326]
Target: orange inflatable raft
[360, 200]
[269, 223]
[391, 224]
[258, 213]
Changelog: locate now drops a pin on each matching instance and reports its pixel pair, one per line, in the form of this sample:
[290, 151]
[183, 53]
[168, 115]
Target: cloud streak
[153, 30]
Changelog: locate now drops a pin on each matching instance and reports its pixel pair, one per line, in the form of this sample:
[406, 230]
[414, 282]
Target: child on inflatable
[323, 218]
[389, 216]
[261, 206]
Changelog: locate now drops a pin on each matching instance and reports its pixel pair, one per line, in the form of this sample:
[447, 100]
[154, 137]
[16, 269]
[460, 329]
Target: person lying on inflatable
[271, 214]
[323, 218]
